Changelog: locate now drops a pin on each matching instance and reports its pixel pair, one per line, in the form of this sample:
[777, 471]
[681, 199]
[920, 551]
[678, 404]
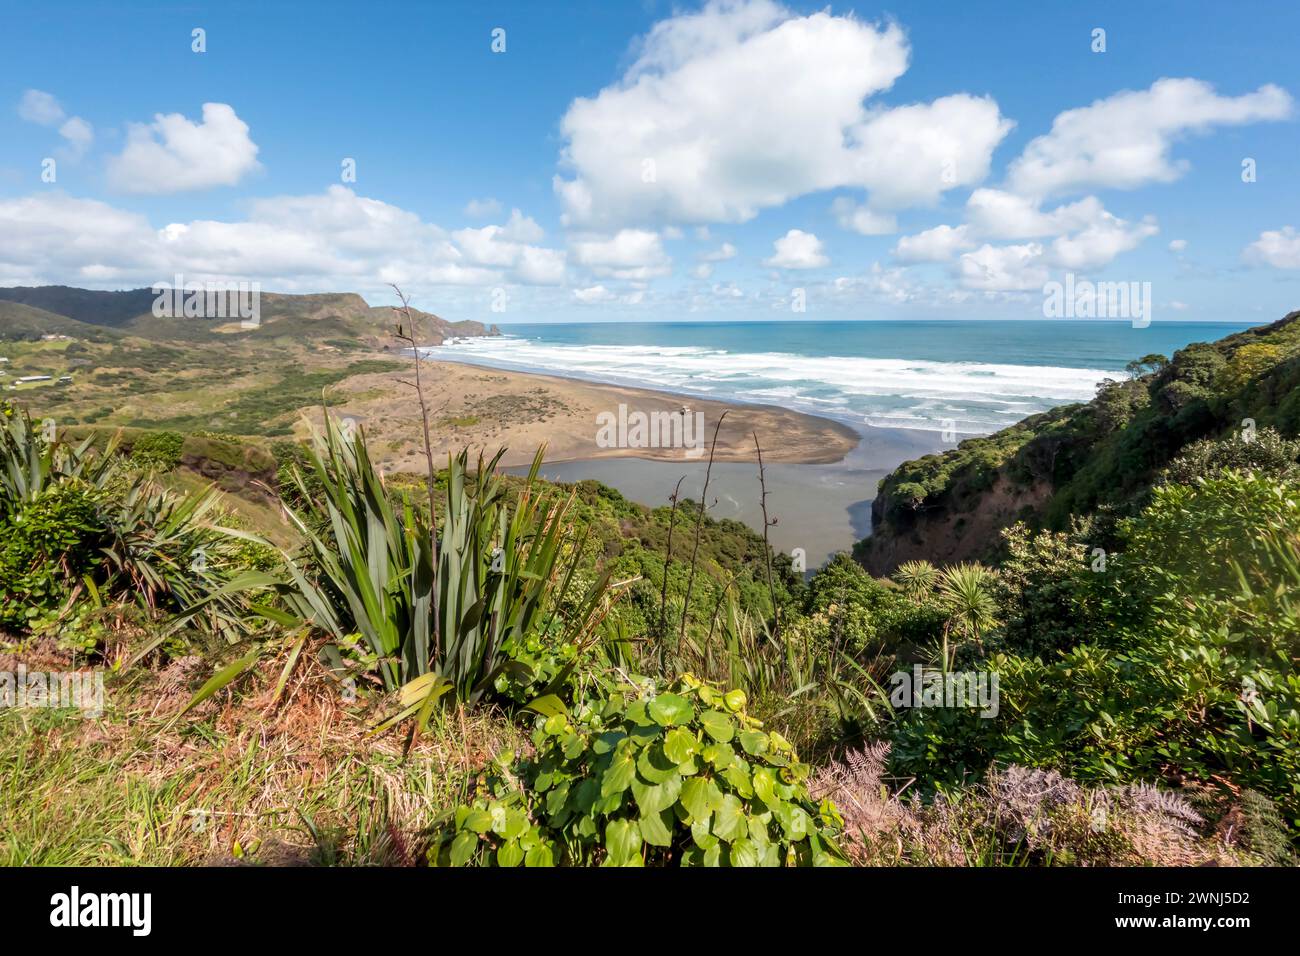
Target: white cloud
[629, 254]
[1124, 141]
[482, 208]
[593, 295]
[861, 219]
[1003, 268]
[744, 105]
[1279, 248]
[1100, 242]
[1086, 237]
[40, 107]
[703, 271]
[797, 250]
[721, 254]
[44, 109]
[334, 239]
[939, 244]
[1178, 245]
[508, 246]
[173, 154]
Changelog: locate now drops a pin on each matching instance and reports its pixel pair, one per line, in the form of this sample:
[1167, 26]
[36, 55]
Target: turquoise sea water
[975, 375]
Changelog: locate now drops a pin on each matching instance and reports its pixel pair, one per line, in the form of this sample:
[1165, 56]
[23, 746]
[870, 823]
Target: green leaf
[700, 797]
[754, 741]
[509, 854]
[654, 766]
[622, 843]
[680, 745]
[539, 855]
[479, 820]
[463, 847]
[744, 853]
[656, 828]
[619, 776]
[548, 705]
[652, 798]
[729, 819]
[670, 710]
[718, 725]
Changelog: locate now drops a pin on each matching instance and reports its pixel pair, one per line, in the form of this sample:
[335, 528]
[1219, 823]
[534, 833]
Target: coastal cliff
[1096, 459]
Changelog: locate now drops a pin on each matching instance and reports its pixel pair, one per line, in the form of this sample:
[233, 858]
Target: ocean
[971, 377]
[906, 386]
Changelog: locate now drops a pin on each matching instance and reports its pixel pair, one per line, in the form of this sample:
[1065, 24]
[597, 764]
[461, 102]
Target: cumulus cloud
[593, 295]
[1279, 248]
[37, 106]
[628, 254]
[862, 219]
[1081, 235]
[482, 208]
[173, 154]
[1003, 268]
[939, 244]
[783, 115]
[721, 254]
[335, 239]
[797, 250]
[1178, 245]
[1124, 141]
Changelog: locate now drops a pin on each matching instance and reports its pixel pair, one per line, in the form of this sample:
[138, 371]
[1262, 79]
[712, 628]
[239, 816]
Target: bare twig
[406, 332]
[663, 591]
[699, 525]
[767, 548]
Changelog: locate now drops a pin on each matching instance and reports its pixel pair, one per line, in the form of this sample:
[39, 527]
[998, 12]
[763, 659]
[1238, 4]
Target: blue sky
[666, 161]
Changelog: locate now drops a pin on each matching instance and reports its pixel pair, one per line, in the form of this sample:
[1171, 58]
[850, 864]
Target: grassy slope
[1077, 459]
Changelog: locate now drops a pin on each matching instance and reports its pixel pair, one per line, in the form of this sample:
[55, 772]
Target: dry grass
[241, 778]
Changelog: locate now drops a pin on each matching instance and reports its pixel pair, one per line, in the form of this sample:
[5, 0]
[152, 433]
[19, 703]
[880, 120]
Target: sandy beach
[486, 409]
[821, 474]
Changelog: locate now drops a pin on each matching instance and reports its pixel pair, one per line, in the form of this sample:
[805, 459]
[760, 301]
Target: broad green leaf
[622, 843]
[463, 847]
[744, 853]
[509, 854]
[718, 725]
[670, 710]
[680, 745]
[700, 797]
[655, 827]
[654, 766]
[652, 798]
[618, 777]
[729, 819]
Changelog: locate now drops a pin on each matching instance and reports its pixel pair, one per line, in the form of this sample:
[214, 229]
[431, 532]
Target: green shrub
[160, 450]
[683, 777]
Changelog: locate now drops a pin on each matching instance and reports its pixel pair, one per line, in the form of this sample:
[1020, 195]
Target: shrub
[160, 450]
[684, 777]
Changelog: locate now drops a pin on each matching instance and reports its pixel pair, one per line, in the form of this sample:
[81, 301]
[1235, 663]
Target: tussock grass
[240, 782]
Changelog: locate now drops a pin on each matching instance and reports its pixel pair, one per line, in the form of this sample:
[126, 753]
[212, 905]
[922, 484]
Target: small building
[32, 378]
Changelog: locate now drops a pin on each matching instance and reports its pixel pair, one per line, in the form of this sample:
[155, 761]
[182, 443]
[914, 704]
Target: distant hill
[24, 323]
[91, 306]
[344, 317]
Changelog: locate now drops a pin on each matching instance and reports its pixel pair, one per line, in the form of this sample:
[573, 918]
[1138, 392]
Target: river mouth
[820, 508]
